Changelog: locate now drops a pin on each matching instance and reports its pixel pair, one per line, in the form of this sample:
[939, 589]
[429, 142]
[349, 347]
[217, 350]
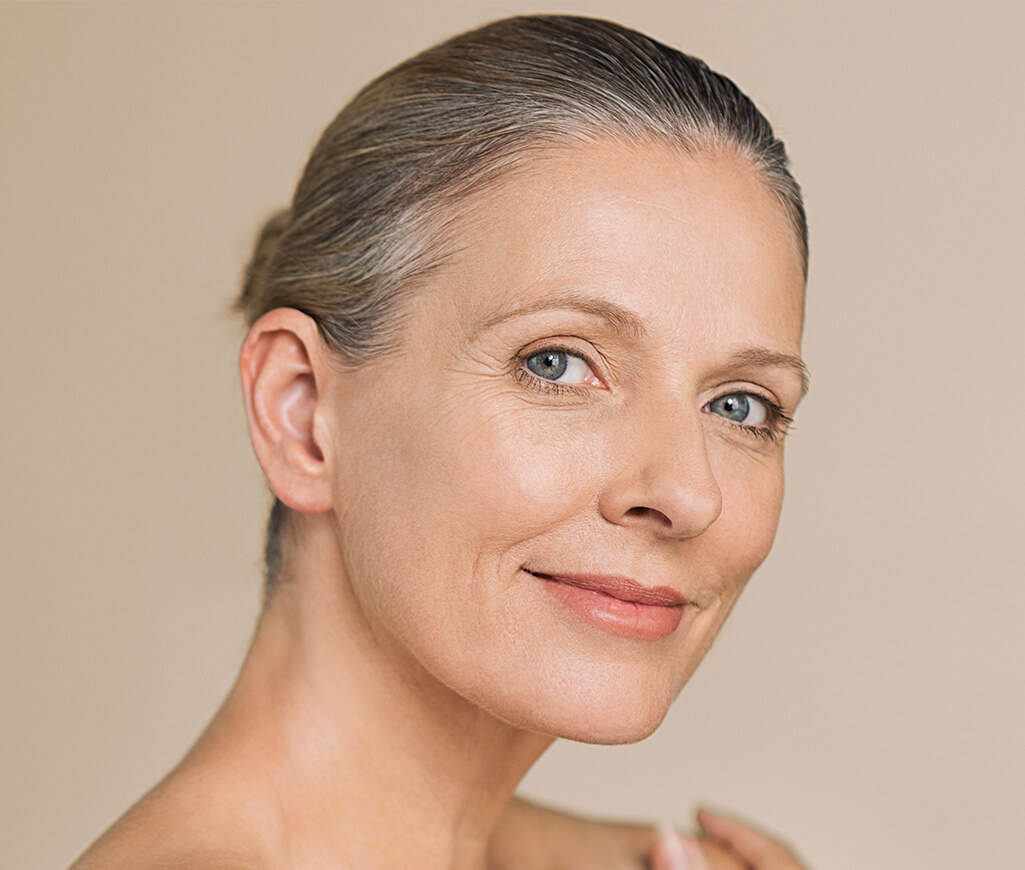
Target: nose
[664, 482]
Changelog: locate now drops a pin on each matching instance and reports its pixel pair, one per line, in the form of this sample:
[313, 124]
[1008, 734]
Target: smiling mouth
[617, 605]
[621, 588]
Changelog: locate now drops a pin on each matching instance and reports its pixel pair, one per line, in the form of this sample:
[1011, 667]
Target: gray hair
[398, 164]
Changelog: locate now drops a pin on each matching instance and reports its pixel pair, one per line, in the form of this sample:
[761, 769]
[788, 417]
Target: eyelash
[777, 426]
[543, 385]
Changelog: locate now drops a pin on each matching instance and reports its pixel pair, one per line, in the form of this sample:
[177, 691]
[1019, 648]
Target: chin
[610, 726]
[612, 733]
[603, 711]
[602, 727]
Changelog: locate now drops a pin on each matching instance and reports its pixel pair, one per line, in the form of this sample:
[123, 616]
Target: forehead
[693, 239]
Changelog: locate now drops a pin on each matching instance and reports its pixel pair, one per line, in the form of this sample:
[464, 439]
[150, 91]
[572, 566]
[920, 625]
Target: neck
[363, 758]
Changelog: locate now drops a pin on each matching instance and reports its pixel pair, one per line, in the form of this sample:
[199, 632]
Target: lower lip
[621, 618]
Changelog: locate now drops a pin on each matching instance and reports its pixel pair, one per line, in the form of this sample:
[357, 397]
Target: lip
[617, 605]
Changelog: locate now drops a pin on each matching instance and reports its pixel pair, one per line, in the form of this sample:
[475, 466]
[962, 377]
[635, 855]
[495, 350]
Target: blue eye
[549, 364]
[741, 408]
[560, 366]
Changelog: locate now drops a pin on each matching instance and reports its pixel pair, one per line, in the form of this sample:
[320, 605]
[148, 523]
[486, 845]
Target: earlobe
[282, 363]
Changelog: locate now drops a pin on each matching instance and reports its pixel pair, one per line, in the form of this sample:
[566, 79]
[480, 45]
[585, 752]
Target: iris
[548, 364]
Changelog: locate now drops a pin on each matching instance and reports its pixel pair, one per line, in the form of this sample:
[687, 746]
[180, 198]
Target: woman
[521, 359]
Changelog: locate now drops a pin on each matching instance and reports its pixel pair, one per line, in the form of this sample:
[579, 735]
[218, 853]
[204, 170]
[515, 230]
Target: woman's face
[551, 496]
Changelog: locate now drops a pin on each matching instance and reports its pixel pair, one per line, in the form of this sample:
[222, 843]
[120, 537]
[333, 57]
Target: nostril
[644, 513]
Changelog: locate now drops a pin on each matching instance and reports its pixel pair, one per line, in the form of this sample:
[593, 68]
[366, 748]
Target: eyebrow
[761, 357]
[621, 319]
[625, 321]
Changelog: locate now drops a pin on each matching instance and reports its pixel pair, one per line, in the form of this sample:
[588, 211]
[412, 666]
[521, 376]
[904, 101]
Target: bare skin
[541, 837]
[271, 777]
[226, 792]
[413, 661]
[168, 828]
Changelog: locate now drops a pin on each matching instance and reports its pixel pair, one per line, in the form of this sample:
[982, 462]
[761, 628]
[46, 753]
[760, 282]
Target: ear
[283, 366]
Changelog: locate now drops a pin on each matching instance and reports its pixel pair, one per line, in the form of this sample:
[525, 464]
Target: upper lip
[622, 588]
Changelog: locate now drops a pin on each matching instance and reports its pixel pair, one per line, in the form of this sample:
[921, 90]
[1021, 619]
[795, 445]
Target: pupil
[550, 364]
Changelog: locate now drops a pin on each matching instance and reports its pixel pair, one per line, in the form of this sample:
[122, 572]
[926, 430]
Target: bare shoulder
[173, 828]
[119, 856]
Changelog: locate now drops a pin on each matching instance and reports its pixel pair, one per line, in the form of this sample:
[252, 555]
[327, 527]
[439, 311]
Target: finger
[759, 850]
[676, 852]
[720, 857]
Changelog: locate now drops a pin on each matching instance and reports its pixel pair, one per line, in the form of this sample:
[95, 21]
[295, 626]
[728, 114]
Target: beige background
[866, 698]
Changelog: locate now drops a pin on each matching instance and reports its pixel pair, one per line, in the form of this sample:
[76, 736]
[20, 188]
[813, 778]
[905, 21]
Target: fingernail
[672, 848]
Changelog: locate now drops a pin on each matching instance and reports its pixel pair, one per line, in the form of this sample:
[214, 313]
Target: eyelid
[558, 345]
[749, 388]
[778, 425]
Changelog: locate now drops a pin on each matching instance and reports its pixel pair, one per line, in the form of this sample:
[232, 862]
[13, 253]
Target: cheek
[455, 482]
[752, 490]
[522, 475]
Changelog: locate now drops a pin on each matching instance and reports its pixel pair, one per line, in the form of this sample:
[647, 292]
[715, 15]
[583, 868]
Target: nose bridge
[666, 481]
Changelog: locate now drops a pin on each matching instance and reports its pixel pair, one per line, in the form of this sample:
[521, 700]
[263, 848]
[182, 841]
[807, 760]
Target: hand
[530, 836]
[756, 850]
[730, 845]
